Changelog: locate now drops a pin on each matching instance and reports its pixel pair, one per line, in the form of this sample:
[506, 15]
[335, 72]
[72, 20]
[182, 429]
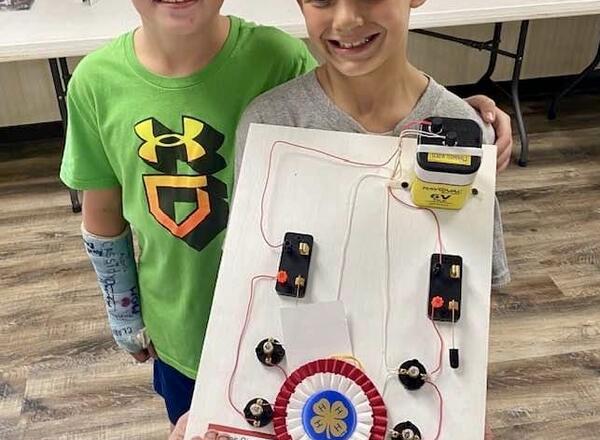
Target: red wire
[441, 355]
[318, 151]
[313, 150]
[244, 328]
[441, 417]
[431, 211]
[441, 352]
[411, 123]
[282, 370]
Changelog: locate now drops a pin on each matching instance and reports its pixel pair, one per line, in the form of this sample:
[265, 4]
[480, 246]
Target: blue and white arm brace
[114, 263]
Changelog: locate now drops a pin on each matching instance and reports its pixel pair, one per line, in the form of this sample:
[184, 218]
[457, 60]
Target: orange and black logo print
[186, 162]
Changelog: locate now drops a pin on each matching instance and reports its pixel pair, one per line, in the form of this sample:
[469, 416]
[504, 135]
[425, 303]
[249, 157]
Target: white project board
[310, 194]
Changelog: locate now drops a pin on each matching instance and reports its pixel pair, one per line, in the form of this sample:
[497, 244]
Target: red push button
[282, 277]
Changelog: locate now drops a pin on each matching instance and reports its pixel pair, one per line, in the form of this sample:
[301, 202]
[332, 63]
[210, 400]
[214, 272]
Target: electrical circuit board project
[324, 245]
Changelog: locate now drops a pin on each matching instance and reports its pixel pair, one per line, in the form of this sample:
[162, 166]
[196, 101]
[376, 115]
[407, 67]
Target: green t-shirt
[169, 143]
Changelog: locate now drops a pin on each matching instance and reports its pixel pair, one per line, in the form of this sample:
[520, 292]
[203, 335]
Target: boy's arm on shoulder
[455, 107]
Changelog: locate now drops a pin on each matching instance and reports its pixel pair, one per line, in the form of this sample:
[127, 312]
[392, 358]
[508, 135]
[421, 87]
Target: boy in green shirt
[152, 118]
[150, 141]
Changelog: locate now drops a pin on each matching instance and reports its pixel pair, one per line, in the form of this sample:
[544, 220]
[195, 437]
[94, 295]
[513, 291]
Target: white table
[64, 28]
[55, 29]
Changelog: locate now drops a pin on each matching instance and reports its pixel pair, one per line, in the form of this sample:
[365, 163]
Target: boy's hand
[145, 354]
[501, 123]
[179, 431]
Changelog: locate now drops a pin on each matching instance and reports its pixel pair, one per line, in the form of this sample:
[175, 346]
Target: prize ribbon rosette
[329, 399]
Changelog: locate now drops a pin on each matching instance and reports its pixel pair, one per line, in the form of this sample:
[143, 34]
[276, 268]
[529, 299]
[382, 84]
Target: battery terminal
[304, 249]
[455, 271]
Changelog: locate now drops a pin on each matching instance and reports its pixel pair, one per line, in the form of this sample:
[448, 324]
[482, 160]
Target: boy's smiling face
[178, 17]
[357, 37]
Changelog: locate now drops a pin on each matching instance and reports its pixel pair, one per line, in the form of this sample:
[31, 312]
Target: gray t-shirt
[302, 102]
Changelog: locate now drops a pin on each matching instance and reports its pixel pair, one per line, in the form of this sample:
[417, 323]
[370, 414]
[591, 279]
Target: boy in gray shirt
[366, 85]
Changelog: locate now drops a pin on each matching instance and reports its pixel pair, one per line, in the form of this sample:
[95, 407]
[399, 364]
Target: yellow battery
[444, 176]
[439, 195]
[448, 156]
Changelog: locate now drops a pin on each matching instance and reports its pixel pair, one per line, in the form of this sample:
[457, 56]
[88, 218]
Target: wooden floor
[62, 378]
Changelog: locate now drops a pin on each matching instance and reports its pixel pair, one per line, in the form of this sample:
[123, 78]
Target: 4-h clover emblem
[329, 418]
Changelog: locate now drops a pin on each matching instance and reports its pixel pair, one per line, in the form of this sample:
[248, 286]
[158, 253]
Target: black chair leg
[61, 77]
[552, 112]
[515, 94]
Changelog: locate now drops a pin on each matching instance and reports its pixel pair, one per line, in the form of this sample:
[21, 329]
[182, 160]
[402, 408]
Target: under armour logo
[192, 129]
[188, 201]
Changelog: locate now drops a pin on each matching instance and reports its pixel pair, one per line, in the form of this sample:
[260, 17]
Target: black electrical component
[454, 359]
[451, 132]
[412, 374]
[270, 352]
[445, 288]
[292, 277]
[437, 125]
[451, 138]
[406, 431]
[258, 412]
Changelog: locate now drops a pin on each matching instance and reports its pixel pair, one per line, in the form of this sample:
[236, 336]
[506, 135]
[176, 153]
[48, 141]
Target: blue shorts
[173, 386]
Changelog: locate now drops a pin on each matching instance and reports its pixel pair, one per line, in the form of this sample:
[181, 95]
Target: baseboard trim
[31, 132]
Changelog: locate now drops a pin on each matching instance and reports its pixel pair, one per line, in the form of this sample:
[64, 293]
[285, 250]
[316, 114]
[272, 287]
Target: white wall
[555, 47]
